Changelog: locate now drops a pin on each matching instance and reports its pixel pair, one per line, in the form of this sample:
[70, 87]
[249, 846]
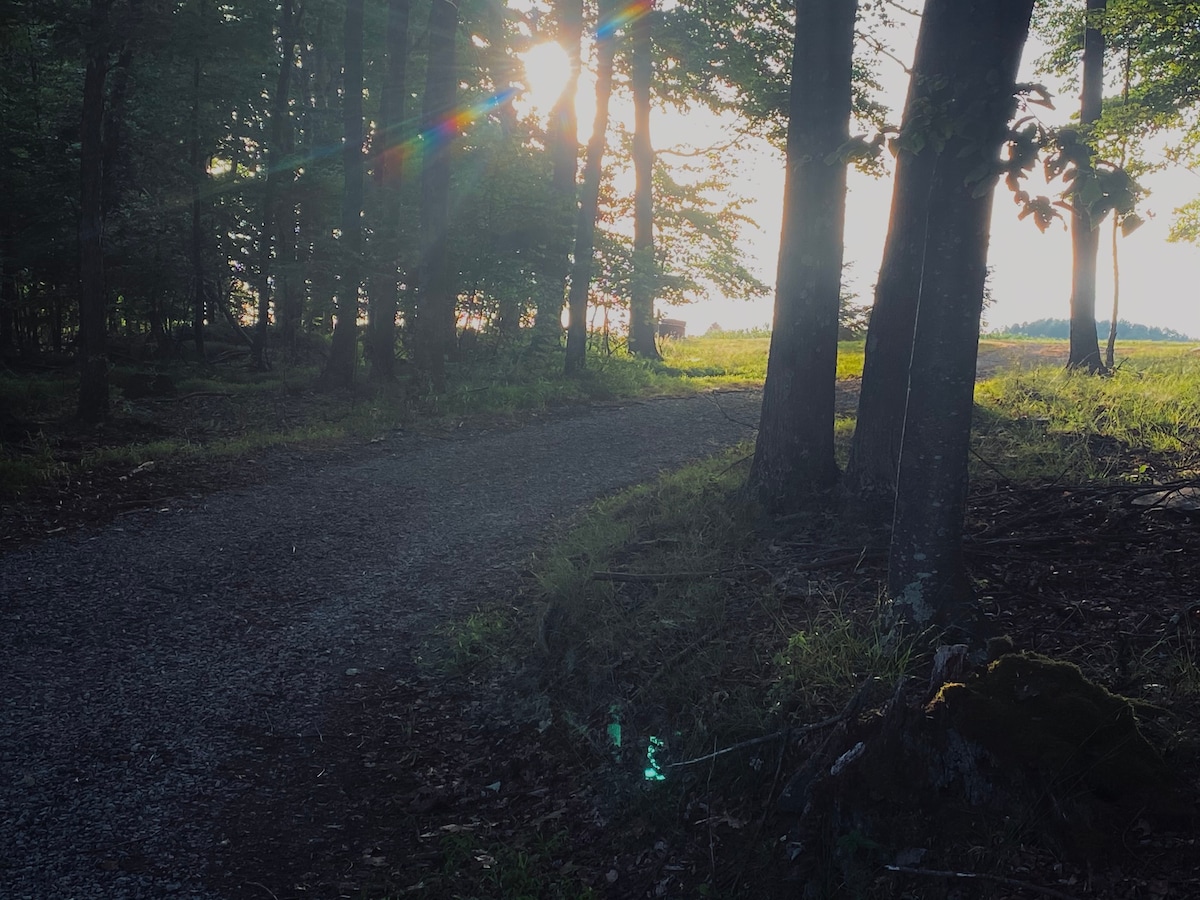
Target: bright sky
[1032, 270]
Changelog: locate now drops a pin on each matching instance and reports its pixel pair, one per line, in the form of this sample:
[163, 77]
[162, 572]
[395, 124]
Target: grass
[1045, 422]
[478, 869]
[707, 647]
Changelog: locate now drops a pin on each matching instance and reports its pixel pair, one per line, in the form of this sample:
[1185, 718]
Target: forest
[358, 286]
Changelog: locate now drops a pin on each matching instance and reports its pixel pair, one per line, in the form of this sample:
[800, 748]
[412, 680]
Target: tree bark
[564, 150]
[589, 202]
[1085, 233]
[339, 371]
[198, 166]
[979, 44]
[645, 270]
[875, 449]
[269, 244]
[391, 137]
[434, 337]
[794, 455]
[93, 348]
[1110, 347]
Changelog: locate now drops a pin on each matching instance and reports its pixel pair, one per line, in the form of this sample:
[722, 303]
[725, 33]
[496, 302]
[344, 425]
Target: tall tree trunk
[564, 150]
[389, 173]
[272, 174]
[316, 225]
[339, 370]
[93, 347]
[1085, 233]
[589, 203]
[435, 302]
[198, 165]
[875, 448]
[645, 271]
[979, 44]
[1110, 348]
[9, 291]
[794, 454]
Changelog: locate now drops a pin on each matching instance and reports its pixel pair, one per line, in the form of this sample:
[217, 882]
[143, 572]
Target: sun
[547, 70]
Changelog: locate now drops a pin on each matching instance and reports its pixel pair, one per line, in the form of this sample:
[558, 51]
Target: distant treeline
[1126, 331]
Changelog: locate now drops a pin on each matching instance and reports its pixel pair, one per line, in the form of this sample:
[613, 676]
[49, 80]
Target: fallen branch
[655, 577]
[652, 577]
[997, 879]
[850, 709]
[191, 395]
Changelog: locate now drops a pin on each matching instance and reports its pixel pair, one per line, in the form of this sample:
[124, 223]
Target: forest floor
[262, 676]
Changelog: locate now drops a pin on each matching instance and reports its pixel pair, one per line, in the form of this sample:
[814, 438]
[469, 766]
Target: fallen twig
[982, 876]
[652, 577]
[849, 710]
[192, 395]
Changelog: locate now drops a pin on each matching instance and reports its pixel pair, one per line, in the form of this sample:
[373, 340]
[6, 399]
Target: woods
[361, 220]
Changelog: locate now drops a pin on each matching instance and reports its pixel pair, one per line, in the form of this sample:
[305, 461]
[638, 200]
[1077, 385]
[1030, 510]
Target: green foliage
[1060, 329]
[836, 650]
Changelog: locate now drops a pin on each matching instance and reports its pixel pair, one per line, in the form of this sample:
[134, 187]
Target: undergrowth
[661, 616]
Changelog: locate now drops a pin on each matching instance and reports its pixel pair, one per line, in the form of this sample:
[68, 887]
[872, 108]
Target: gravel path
[137, 661]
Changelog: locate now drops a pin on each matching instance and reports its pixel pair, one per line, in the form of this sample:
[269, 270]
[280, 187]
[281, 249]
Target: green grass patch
[536, 867]
[660, 621]
[731, 360]
[1048, 423]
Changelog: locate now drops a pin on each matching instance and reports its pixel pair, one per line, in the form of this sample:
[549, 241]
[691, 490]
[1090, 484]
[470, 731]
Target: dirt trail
[144, 662]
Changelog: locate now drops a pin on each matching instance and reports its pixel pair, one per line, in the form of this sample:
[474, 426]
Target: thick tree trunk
[589, 202]
[435, 303]
[1110, 347]
[875, 449]
[389, 149]
[93, 348]
[564, 151]
[979, 44]
[645, 269]
[1085, 232]
[339, 371]
[794, 454]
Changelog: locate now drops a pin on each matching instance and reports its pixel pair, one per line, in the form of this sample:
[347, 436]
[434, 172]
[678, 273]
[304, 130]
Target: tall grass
[1048, 422]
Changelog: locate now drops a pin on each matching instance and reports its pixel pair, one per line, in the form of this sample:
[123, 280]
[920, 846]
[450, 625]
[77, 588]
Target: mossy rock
[1043, 716]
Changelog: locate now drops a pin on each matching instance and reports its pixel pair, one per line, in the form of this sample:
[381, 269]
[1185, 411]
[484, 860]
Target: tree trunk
[875, 449]
[93, 348]
[979, 44]
[794, 454]
[645, 270]
[9, 291]
[1110, 348]
[272, 173]
[564, 150]
[391, 137]
[198, 166]
[435, 304]
[589, 202]
[1085, 233]
[339, 371]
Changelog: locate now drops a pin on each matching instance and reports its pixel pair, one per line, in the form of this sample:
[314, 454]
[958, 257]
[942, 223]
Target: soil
[239, 680]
